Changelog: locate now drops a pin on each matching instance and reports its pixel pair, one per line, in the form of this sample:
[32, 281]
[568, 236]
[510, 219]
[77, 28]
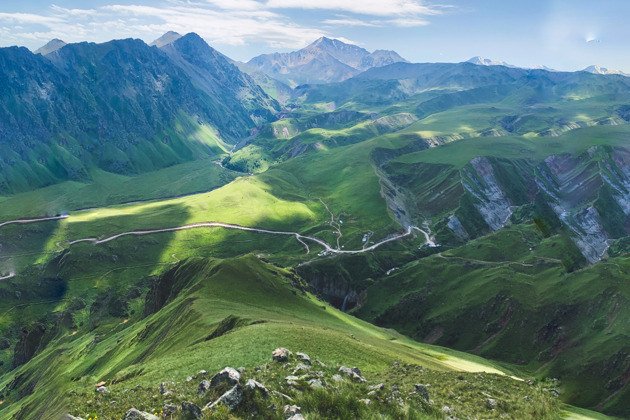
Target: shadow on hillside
[84, 288]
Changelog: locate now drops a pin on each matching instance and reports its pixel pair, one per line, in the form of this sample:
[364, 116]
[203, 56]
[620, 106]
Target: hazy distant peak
[166, 39]
[541, 67]
[603, 70]
[481, 61]
[52, 46]
[325, 60]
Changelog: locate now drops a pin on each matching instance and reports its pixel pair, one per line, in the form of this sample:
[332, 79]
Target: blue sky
[562, 34]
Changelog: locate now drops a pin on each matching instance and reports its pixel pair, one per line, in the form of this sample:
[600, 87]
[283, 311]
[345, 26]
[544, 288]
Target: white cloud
[364, 7]
[28, 18]
[232, 22]
[408, 23]
[349, 22]
[234, 28]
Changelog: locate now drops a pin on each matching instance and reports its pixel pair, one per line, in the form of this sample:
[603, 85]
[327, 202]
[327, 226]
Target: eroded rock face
[456, 226]
[571, 181]
[495, 207]
[589, 193]
[592, 239]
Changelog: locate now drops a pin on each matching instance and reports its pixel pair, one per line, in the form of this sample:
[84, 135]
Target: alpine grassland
[389, 240]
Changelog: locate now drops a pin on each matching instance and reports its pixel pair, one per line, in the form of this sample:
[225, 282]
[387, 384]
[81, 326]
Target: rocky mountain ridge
[115, 106]
[324, 61]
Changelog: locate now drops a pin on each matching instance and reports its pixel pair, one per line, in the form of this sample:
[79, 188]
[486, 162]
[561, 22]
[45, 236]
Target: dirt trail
[300, 238]
[10, 276]
[25, 221]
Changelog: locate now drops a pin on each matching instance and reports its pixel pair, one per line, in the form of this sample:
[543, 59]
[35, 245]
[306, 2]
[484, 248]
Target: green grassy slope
[269, 307]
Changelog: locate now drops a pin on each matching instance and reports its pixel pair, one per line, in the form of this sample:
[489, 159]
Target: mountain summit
[52, 46]
[602, 70]
[324, 61]
[165, 39]
[481, 61]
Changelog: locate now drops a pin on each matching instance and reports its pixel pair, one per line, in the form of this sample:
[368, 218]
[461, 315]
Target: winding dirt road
[25, 221]
[300, 238]
[10, 276]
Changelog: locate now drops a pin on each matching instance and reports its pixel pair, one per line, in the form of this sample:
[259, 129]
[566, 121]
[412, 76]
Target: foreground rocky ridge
[291, 386]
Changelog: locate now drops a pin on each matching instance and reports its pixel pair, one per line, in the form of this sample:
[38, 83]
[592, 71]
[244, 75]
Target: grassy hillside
[206, 314]
[520, 180]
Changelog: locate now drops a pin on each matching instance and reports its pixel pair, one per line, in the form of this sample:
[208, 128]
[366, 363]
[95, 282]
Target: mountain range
[431, 240]
[121, 106]
[325, 60]
[602, 70]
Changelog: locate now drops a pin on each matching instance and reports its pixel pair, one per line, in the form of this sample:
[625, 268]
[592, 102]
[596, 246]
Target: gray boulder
[315, 384]
[291, 410]
[422, 391]
[227, 376]
[378, 387]
[304, 358]
[352, 373]
[191, 410]
[291, 380]
[134, 414]
[102, 390]
[229, 399]
[492, 403]
[281, 354]
[203, 387]
[252, 386]
[300, 367]
[366, 401]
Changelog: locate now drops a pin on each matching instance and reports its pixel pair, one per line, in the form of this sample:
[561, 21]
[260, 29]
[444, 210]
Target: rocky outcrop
[571, 183]
[456, 226]
[230, 399]
[590, 237]
[617, 175]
